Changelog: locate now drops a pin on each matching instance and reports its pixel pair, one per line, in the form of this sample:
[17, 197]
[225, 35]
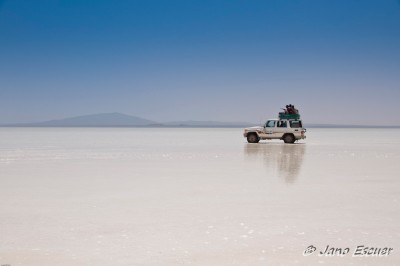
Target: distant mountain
[123, 120]
[95, 120]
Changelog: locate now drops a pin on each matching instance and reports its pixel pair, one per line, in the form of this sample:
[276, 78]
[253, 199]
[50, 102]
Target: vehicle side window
[295, 124]
[282, 124]
[270, 123]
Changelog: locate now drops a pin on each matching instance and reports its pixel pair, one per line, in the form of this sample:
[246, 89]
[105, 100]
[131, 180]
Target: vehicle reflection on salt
[283, 159]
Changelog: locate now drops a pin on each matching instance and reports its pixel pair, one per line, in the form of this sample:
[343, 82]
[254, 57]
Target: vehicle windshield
[270, 123]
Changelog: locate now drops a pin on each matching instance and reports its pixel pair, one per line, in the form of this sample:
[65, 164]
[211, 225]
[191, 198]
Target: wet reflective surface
[282, 160]
[94, 196]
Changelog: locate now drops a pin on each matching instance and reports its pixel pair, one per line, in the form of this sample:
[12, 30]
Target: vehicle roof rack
[289, 116]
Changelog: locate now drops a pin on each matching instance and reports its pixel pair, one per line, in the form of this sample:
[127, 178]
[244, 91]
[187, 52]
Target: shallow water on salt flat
[176, 196]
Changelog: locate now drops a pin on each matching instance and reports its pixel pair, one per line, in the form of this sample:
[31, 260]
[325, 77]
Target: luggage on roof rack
[289, 116]
[290, 112]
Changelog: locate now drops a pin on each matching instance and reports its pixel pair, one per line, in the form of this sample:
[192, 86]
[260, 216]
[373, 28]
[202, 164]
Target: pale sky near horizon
[337, 61]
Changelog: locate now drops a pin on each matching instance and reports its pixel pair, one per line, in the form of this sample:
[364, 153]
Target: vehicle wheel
[289, 138]
[253, 138]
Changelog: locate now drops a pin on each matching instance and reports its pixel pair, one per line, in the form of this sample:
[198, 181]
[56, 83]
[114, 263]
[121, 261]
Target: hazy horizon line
[177, 123]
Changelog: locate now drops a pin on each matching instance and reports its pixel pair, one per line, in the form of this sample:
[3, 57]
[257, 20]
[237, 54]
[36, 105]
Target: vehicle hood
[256, 128]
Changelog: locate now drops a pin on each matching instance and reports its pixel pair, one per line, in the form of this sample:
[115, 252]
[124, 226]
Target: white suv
[288, 130]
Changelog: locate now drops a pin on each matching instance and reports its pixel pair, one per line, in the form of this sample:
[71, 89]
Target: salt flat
[135, 196]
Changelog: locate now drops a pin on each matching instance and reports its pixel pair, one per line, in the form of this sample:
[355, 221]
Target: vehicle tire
[252, 138]
[289, 138]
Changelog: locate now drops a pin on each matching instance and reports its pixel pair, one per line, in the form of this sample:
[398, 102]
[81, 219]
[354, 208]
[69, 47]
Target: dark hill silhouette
[105, 119]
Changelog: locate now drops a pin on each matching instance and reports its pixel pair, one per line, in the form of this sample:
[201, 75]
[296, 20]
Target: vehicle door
[296, 127]
[269, 129]
[280, 129]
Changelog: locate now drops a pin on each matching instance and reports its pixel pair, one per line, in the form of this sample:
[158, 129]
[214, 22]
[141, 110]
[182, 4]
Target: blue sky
[338, 61]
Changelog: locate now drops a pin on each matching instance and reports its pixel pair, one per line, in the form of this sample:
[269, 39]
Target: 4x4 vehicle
[288, 130]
